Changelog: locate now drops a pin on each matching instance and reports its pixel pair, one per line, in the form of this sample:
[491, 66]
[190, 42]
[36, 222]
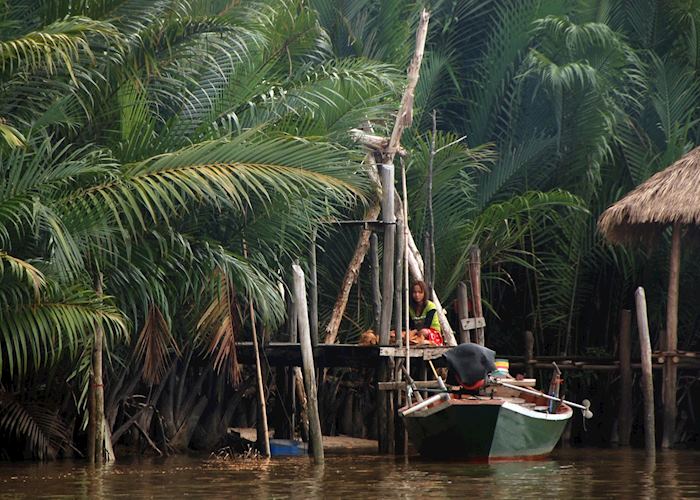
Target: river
[572, 473]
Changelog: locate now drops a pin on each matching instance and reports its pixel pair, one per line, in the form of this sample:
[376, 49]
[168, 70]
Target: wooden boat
[485, 428]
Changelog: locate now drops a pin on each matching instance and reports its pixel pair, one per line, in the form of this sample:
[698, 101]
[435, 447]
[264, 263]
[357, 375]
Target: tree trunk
[97, 405]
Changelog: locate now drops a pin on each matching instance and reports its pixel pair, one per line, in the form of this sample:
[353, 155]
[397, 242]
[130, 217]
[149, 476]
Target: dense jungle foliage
[144, 144]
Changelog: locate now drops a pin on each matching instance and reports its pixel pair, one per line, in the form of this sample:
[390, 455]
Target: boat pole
[405, 271]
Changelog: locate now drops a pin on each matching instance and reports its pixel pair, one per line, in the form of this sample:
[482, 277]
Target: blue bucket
[287, 448]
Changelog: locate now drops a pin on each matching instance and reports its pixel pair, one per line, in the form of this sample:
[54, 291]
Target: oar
[587, 413]
[441, 383]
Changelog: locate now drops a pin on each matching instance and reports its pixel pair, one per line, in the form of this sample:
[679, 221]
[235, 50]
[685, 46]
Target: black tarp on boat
[469, 363]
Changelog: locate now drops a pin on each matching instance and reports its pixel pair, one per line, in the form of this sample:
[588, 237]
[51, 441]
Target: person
[423, 315]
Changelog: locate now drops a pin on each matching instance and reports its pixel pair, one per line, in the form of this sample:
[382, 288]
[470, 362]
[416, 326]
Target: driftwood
[404, 118]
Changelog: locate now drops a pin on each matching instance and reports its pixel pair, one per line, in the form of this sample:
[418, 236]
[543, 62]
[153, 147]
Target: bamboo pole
[307, 356]
[263, 440]
[313, 292]
[625, 352]
[463, 308]
[647, 380]
[405, 276]
[475, 279]
[670, 368]
[398, 283]
[430, 251]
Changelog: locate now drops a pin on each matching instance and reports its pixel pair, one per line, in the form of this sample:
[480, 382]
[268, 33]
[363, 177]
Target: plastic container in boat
[502, 366]
[287, 448]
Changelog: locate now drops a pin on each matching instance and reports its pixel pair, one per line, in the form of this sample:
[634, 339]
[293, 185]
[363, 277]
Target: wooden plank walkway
[333, 355]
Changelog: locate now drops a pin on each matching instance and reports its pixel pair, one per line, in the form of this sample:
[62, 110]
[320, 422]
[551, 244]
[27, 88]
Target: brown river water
[573, 473]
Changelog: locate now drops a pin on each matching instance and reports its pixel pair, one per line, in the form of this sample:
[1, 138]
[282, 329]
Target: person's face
[417, 294]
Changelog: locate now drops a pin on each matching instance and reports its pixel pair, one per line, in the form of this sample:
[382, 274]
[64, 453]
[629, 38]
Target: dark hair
[422, 286]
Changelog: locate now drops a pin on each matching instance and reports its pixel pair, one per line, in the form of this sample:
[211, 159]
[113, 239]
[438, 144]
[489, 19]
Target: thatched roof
[672, 195]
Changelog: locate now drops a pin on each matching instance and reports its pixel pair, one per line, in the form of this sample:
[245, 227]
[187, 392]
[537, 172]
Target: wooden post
[314, 291]
[463, 310]
[303, 402]
[624, 416]
[647, 380]
[670, 367]
[475, 279]
[389, 219]
[529, 354]
[307, 356]
[376, 289]
[392, 401]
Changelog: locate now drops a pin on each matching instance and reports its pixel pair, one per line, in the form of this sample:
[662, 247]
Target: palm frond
[33, 423]
[155, 345]
[36, 332]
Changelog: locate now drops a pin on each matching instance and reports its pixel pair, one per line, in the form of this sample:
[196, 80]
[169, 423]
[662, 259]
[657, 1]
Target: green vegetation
[144, 143]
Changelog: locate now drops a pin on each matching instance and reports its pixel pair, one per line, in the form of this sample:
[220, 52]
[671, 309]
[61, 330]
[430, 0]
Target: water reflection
[573, 473]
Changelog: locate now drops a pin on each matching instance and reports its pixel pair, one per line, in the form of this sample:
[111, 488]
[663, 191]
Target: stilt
[670, 367]
[529, 354]
[313, 292]
[475, 279]
[463, 310]
[624, 416]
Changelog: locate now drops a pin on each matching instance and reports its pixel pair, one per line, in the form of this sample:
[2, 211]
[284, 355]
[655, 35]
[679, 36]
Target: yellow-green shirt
[427, 319]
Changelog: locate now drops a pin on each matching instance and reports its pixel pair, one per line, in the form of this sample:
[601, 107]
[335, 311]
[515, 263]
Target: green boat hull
[485, 431]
